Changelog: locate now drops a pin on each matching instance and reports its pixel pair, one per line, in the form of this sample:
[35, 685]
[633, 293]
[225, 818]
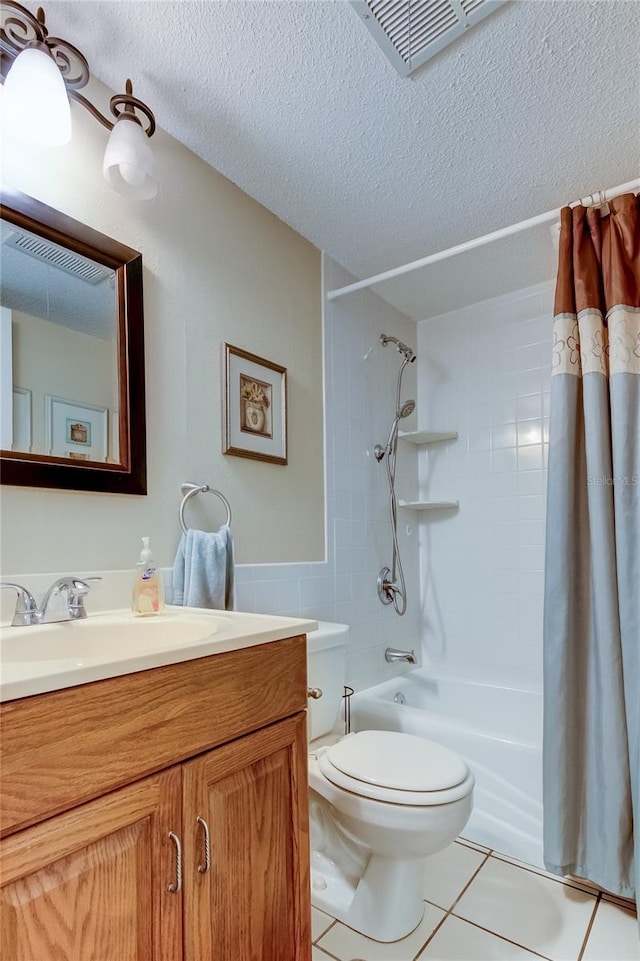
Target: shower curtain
[591, 755]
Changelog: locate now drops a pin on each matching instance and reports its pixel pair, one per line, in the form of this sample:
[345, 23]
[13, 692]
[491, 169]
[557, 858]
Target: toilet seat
[397, 768]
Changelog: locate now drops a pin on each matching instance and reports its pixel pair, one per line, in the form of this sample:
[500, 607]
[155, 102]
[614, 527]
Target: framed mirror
[72, 402]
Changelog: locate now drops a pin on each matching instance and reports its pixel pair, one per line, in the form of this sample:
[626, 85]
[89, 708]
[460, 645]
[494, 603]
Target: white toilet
[380, 802]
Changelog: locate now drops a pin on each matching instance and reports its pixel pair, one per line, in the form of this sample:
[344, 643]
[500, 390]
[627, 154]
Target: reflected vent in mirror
[66, 260]
[410, 32]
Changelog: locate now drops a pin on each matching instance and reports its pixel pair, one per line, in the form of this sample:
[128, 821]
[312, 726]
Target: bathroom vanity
[161, 814]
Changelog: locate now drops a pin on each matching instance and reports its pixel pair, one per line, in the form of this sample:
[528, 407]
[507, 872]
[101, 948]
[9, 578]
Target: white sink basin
[48, 657]
[118, 632]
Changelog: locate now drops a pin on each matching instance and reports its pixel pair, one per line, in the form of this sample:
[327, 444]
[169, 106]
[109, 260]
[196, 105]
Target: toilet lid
[402, 762]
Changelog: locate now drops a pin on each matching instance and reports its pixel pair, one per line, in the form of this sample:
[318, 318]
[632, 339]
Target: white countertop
[49, 657]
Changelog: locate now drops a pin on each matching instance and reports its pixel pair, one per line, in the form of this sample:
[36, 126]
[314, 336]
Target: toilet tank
[326, 669]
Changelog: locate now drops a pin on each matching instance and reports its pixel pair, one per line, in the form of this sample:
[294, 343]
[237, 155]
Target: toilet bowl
[380, 803]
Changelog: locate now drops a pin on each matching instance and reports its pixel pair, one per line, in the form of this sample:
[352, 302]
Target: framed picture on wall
[255, 407]
[76, 430]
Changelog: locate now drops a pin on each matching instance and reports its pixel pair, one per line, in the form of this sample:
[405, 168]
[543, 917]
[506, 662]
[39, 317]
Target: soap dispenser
[148, 594]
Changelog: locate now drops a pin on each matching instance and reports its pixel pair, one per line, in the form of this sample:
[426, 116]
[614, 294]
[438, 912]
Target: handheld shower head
[407, 408]
[407, 353]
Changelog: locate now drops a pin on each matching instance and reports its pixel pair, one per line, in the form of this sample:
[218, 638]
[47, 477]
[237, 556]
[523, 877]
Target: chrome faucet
[26, 606]
[393, 654]
[64, 601]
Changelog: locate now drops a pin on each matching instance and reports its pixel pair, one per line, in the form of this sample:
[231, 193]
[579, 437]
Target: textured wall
[360, 383]
[218, 267]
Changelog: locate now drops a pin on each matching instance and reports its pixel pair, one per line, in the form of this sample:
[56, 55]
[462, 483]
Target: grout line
[577, 885]
[332, 925]
[627, 903]
[432, 935]
[328, 928]
[451, 906]
[324, 951]
[481, 848]
[468, 884]
[516, 944]
[589, 927]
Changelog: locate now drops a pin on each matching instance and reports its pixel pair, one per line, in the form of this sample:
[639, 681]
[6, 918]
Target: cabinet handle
[177, 886]
[314, 692]
[203, 868]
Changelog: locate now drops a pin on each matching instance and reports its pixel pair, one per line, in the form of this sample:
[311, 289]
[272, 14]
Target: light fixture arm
[19, 30]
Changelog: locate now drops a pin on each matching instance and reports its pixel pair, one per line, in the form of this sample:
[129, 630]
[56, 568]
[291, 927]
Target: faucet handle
[78, 590]
[26, 605]
[65, 600]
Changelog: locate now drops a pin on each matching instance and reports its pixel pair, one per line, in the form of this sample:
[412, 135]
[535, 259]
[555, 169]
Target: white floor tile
[614, 935]
[348, 945]
[472, 844]
[457, 940]
[318, 955]
[622, 902]
[319, 923]
[576, 882]
[447, 872]
[529, 909]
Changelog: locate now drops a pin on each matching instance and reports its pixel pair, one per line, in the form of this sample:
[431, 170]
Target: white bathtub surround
[485, 371]
[496, 730]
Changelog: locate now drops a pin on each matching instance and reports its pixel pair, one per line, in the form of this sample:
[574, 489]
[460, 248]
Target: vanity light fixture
[42, 73]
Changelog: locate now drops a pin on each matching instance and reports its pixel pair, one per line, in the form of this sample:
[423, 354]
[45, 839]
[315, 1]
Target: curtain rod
[593, 199]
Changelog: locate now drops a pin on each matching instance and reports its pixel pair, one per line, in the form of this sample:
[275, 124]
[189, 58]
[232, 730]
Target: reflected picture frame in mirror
[125, 473]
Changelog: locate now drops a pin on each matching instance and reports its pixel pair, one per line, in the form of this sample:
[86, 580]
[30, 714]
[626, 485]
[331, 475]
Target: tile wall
[360, 378]
[485, 372]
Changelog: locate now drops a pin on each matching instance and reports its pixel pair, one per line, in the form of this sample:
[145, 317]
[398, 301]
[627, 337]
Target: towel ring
[189, 490]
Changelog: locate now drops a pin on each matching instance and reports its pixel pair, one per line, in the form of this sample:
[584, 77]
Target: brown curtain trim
[599, 257]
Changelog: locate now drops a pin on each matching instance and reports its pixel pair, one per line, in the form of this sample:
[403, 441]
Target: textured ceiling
[295, 103]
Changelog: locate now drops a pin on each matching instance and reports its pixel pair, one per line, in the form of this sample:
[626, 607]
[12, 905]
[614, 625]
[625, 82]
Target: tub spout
[393, 654]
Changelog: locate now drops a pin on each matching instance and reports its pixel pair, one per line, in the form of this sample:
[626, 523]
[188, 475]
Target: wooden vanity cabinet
[251, 898]
[92, 883]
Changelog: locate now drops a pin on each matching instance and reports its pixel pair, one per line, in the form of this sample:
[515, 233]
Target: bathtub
[497, 730]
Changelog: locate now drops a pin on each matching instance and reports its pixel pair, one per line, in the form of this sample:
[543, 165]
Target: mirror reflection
[59, 350]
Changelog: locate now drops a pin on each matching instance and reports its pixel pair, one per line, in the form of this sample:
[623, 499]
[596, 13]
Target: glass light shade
[129, 165]
[35, 103]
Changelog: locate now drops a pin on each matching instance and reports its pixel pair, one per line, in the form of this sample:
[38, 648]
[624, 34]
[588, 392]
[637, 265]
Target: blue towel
[203, 570]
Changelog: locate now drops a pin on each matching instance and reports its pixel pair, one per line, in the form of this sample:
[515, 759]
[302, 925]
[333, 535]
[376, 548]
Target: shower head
[404, 411]
[407, 353]
[407, 408]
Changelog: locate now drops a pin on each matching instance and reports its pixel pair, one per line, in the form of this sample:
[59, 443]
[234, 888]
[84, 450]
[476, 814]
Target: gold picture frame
[255, 407]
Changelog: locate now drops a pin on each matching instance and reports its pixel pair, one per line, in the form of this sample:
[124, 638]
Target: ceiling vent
[410, 32]
[43, 250]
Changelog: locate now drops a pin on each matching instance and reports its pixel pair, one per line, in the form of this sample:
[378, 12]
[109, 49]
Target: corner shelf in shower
[430, 505]
[427, 436]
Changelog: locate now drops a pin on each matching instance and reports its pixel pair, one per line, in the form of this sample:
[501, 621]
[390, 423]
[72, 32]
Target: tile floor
[483, 906]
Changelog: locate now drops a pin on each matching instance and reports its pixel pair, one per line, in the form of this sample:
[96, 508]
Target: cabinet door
[92, 883]
[253, 901]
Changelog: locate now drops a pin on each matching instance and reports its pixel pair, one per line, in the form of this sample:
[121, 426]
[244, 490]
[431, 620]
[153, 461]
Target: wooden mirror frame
[129, 476]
